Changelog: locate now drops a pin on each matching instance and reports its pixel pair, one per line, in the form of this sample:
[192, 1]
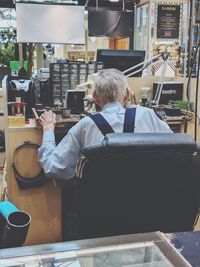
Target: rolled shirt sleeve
[158, 125]
[148, 122]
[60, 161]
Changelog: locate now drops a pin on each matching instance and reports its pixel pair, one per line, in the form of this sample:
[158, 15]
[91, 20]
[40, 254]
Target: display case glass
[144, 250]
[143, 254]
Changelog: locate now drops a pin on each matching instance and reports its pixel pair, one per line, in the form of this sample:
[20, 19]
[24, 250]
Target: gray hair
[110, 85]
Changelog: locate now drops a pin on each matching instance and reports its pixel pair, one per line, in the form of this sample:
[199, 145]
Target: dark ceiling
[90, 3]
[7, 3]
[107, 3]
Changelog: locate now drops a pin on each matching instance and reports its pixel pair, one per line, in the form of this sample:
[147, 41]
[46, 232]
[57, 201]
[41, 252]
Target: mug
[65, 112]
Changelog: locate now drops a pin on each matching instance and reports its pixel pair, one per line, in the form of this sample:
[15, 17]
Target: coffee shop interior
[136, 196]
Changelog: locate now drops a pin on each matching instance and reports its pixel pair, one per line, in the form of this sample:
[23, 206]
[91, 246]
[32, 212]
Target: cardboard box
[16, 121]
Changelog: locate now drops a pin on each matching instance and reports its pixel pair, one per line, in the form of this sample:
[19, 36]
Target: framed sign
[168, 21]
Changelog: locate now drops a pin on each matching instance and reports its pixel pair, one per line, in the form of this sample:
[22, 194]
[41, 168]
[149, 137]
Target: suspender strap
[129, 120]
[102, 124]
[105, 128]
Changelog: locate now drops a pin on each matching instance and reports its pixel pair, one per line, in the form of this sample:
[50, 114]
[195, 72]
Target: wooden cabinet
[43, 203]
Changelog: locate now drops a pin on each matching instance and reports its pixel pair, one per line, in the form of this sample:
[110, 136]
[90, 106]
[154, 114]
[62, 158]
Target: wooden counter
[42, 203]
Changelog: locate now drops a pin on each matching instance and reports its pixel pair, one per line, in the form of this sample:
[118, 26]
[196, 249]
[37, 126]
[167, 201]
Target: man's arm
[159, 125]
[59, 161]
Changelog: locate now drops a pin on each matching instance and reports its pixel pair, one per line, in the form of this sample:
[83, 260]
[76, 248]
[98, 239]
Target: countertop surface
[187, 244]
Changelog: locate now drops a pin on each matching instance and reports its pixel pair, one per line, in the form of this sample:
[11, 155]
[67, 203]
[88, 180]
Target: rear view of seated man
[111, 94]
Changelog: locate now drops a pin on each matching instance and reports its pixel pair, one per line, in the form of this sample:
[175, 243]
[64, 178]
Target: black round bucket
[16, 229]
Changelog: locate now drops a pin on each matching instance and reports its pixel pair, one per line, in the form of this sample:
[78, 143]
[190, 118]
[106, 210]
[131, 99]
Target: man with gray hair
[111, 94]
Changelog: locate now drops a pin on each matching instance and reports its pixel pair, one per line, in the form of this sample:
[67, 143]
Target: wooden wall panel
[42, 203]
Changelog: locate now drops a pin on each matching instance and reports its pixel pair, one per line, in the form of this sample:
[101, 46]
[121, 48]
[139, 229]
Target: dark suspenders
[129, 120]
[105, 128]
[102, 124]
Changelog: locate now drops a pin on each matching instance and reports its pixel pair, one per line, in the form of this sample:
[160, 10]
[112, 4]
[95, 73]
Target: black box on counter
[171, 90]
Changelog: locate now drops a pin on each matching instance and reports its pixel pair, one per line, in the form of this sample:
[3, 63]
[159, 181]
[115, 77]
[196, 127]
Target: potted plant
[7, 46]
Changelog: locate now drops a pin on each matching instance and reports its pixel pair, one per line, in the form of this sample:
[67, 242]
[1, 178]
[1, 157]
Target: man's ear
[95, 98]
[126, 95]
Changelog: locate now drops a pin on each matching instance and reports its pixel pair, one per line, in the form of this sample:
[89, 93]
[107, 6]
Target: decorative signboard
[169, 18]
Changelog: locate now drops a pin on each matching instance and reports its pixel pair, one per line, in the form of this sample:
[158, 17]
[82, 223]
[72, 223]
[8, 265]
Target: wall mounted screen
[37, 23]
[114, 23]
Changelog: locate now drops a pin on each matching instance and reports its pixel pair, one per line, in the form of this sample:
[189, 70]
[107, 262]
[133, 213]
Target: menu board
[168, 21]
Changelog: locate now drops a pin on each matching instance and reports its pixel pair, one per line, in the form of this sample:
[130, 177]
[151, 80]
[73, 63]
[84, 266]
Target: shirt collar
[112, 105]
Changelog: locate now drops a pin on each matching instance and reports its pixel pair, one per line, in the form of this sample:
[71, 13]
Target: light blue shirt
[60, 161]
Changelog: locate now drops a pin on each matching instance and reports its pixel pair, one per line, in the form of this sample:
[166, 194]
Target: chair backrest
[134, 183]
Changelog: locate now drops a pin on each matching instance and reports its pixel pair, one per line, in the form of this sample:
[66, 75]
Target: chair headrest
[135, 142]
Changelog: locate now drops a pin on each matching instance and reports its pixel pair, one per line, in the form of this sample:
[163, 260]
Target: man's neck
[112, 105]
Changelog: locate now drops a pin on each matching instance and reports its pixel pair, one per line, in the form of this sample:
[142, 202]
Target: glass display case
[151, 249]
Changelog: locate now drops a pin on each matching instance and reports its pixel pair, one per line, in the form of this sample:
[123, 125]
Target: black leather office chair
[135, 183]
